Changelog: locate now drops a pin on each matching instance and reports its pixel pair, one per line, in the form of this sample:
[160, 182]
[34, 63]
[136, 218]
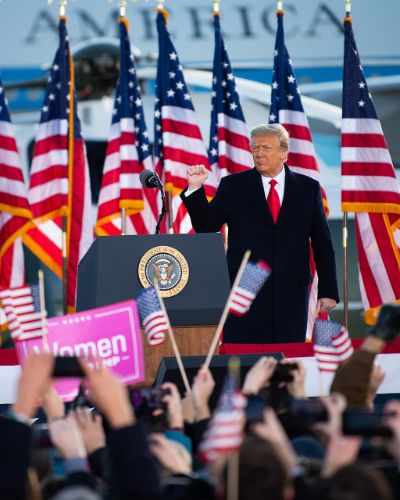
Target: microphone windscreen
[145, 176]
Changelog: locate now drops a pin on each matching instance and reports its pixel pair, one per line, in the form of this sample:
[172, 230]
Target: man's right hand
[196, 176]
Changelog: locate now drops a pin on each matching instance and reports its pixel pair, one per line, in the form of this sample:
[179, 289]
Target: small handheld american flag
[254, 276]
[332, 344]
[225, 430]
[22, 308]
[153, 319]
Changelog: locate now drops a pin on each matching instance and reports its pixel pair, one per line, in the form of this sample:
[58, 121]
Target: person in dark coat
[248, 204]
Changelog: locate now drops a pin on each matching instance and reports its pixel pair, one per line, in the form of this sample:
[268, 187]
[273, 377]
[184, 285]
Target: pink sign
[111, 333]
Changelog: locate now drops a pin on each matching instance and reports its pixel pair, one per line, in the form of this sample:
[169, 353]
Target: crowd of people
[290, 447]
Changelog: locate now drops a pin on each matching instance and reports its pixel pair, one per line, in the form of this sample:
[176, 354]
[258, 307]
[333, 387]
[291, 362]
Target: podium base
[191, 341]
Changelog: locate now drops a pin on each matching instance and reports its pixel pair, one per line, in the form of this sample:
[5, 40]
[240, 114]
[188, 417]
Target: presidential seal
[167, 266]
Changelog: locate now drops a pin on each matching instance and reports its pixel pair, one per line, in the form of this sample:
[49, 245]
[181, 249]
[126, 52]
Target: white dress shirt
[279, 186]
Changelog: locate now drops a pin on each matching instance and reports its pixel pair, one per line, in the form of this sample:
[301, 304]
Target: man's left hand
[325, 305]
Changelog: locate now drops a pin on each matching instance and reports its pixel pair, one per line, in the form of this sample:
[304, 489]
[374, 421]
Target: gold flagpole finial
[63, 8]
[122, 8]
[216, 6]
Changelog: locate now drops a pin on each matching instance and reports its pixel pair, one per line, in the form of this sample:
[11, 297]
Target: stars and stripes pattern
[128, 154]
[224, 433]
[332, 344]
[59, 182]
[178, 143]
[15, 213]
[368, 179]
[229, 150]
[22, 309]
[254, 276]
[153, 319]
[287, 109]
[369, 187]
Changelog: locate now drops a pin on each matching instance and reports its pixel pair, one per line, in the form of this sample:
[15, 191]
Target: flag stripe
[128, 154]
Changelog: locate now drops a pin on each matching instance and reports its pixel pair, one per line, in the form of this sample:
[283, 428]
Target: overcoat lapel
[257, 195]
[290, 195]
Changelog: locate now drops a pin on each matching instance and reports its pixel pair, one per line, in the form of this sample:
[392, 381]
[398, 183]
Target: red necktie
[273, 200]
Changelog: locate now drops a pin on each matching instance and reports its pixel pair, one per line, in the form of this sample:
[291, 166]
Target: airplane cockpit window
[96, 76]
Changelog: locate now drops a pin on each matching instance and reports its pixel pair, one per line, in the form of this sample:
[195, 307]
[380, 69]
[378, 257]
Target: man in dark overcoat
[275, 213]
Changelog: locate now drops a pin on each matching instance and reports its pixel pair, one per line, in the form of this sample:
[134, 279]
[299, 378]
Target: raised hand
[174, 406]
[259, 375]
[196, 176]
[67, 438]
[108, 394]
[202, 388]
[91, 428]
[35, 380]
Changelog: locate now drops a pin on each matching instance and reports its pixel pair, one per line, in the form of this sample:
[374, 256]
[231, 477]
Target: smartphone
[365, 423]
[283, 372]
[67, 366]
[41, 436]
[149, 398]
[307, 411]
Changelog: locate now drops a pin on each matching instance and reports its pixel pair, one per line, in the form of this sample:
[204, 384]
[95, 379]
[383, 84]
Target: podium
[193, 277]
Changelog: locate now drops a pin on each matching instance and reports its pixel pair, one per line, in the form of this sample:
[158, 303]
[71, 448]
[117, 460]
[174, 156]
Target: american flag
[153, 319]
[229, 150]
[59, 181]
[128, 153]
[369, 187]
[22, 309]
[178, 143]
[225, 429]
[254, 276]
[287, 109]
[15, 213]
[332, 344]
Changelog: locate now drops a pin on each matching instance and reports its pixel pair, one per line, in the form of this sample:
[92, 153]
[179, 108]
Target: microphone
[150, 179]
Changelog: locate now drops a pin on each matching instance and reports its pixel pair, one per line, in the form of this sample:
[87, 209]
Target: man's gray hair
[272, 129]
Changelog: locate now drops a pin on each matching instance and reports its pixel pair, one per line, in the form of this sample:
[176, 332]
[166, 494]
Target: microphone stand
[163, 207]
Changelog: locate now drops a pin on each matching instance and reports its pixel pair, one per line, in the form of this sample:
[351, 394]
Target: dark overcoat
[279, 312]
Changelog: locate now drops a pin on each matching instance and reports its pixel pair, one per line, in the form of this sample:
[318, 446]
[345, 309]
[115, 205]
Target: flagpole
[345, 235]
[233, 460]
[122, 15]
[173, 341]
[62, 6]
[170, 214]
[225, 313]
[345, 271]
[64, 262]
[43, 309]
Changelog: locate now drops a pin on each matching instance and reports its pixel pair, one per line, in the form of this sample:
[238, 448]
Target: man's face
[268, 155]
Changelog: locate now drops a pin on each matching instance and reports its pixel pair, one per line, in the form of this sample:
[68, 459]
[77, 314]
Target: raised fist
[196, 176]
